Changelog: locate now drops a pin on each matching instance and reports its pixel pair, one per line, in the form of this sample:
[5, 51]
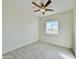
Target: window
[52, 27]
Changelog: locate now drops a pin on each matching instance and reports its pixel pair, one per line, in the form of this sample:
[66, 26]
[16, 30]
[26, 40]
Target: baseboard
[53, 44]
[31, 43]
[19, 47]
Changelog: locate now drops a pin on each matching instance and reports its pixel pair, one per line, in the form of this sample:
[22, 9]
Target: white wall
[19, 27]
[64, 38]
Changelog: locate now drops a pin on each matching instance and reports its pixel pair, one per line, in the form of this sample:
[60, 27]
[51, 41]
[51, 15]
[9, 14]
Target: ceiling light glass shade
[42, 10]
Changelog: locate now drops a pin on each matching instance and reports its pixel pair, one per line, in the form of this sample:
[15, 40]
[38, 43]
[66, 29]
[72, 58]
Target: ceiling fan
[43, 7]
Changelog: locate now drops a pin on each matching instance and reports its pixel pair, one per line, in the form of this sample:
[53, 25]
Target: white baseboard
[19, 47]
[55, 44]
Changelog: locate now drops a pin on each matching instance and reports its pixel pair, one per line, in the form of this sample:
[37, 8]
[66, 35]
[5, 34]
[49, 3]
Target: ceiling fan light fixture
[42, 10]
[42, 7]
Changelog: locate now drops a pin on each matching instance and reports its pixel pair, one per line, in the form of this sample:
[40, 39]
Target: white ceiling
[57, 5]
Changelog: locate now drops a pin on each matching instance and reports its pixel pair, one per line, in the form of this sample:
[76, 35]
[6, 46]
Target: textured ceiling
[57, 5]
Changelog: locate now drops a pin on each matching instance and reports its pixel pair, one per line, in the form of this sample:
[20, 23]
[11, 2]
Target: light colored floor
[40, 50]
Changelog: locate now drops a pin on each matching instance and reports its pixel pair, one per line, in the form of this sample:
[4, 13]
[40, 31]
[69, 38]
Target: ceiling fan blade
[37, 10]
[49, 10]
[48, 2]
[35, 4]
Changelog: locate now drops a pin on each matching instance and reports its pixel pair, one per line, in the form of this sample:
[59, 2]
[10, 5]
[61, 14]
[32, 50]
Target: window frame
[52, 21]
